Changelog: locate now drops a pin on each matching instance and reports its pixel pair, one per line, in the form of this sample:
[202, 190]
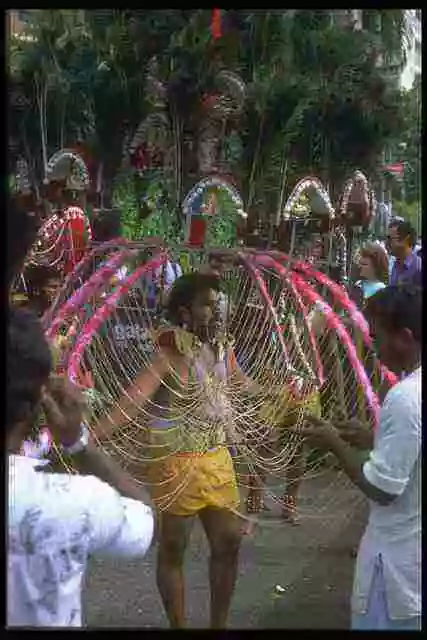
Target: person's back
[55, 521]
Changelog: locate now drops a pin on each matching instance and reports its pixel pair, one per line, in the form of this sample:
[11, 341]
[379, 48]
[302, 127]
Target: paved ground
[312, 562]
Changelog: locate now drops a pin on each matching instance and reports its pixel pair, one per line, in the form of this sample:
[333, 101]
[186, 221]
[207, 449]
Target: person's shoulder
[405, 390]
[81, 487]
[55, 495]
[380, 285]
[404, 399]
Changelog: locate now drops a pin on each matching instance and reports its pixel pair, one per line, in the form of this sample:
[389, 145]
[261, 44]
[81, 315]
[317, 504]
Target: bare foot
[247, 527]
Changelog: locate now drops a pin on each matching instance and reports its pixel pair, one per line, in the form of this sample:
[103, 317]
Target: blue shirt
[369, 288]
[408, 272]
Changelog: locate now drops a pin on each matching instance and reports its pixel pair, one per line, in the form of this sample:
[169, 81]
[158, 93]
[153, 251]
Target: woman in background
[373, 265]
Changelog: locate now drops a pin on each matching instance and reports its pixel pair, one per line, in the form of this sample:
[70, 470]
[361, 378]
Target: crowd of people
[56, 521]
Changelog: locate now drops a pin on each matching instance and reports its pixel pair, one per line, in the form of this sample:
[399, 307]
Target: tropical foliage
[316, 101]
[410, 143]
[406, 189]
[410, 211]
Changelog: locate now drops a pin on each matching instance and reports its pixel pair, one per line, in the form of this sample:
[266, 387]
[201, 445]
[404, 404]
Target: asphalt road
[312, 563]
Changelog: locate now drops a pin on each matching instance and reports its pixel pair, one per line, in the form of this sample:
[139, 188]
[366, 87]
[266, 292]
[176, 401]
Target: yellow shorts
[184, 484]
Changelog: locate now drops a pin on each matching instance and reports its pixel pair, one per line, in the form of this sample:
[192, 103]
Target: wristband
[81, 443]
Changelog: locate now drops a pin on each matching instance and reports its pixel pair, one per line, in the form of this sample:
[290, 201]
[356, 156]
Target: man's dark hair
[28, 365]
[405, 230]
[184, 291]
[22, 229]
[397, 307]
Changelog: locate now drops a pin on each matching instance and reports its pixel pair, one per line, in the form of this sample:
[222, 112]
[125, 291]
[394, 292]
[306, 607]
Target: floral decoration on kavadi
[197, 212]
[358, 202]
[309, 197]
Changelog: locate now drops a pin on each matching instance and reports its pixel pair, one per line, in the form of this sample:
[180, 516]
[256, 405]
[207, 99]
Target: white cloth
[394, 531]
[391, 262]
[223, 308]
[169, 273]
[54, 522]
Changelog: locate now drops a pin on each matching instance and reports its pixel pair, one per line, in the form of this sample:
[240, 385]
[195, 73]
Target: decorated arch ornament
[62, 240]
[358, 202]
[309, 198]
[230, 94]
[200, 205]
[151, 143]
[69, 166]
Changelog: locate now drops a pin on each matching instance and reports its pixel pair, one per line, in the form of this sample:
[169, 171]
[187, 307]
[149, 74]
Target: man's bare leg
[223, 530]
[174, 532]
[294, 476]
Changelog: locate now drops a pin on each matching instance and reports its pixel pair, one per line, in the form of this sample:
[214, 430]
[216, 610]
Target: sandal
[289, 510]
[254, 502]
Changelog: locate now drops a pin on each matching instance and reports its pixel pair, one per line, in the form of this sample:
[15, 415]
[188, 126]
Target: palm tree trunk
[177, 144]
[255, 163]
[62, 131]
[283, 173]
[41, 101]
[209, 134]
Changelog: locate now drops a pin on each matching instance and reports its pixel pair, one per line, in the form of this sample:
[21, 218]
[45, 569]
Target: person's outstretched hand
[322, 433]
[319, 433]
[359, 435]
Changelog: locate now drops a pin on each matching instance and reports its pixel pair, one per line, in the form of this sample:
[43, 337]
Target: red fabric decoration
[208, 100]
[140, 159]
[77, 243]
[197, 231]
[216, 24]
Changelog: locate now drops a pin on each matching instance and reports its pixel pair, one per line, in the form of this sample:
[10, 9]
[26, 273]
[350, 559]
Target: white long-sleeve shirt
[55, 521]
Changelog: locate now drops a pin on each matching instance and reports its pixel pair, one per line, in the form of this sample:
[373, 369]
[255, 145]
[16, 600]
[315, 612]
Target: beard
[205, 332]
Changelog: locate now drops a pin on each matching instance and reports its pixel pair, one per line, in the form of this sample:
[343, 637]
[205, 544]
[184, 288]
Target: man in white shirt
[55, 521]
[387, 585]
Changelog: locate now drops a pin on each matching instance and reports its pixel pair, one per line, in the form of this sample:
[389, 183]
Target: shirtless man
[191, 469]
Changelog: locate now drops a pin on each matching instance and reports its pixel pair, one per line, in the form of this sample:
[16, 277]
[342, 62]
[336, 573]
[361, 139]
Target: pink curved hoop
[336, 325]
[101, 315]
[265, 258]
[74, 274]
[266, 296]
[341, 296]
[86, 291]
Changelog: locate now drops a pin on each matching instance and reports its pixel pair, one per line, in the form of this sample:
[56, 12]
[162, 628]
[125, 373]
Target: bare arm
[237, 374]
[397, 449]
[142, 390]
[63, 407]
[353, 468]
[94, 461]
